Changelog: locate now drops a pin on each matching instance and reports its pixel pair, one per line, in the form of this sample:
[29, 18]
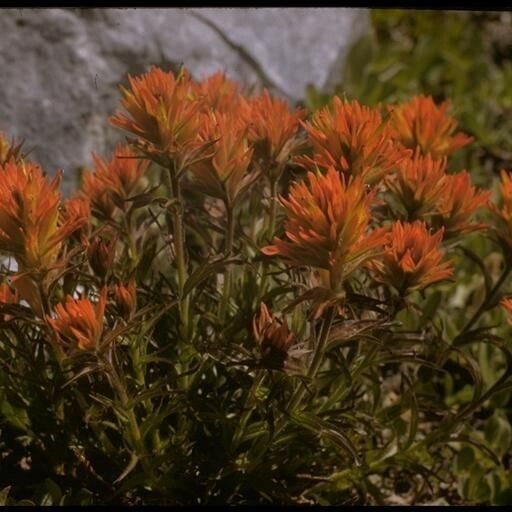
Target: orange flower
[353, 139]
[503, 215]
[273, 337]
[30, 224]
[272, 131]
[7, 296]
[460, 200]
[77, 211]
[218, 93]
[162, 113]
[419, 123]
[125, 297]
[224, 173]
[326, 226]
[79, 322]
[8, 150]
[113, 182]
[412, 259]
[506, 304]
[418, 185]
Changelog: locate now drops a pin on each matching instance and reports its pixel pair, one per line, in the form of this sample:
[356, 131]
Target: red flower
[114, 182]
[352, 138]
[77, 210]
[459, 202]
[418, 185]
[419, 123]
[162, 113]
[272, 131]
[327, 226]
[79, 322]
[412, 258]
[224, 174]
[31, 227]
[218, 93]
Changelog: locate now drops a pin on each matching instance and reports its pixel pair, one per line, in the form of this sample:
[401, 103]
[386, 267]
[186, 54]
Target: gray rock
[61, 67]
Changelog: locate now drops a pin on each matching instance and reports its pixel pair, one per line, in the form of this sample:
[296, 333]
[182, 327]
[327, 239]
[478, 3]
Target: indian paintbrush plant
[248, 303]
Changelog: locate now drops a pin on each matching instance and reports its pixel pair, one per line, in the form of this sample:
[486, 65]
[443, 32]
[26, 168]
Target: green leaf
[206, 270]
[329, 431]
[128, 469]
[498, 433]
[465, 458]
[51, 493]
[475, 487]
[4, 493]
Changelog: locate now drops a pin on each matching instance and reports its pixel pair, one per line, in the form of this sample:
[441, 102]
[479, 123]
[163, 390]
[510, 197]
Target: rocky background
[61, 67]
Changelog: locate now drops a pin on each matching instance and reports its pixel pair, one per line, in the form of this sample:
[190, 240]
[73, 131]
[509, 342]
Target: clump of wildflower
[352, 138]
[163, 113]
[459, 201]
[78, 209]
[224, 173]
[113, 182]
[412, 258]
[218, 93]
[79, 322]
[418, 185]
[420, 124]
[31, 227]
[273, 131]
[326, 226]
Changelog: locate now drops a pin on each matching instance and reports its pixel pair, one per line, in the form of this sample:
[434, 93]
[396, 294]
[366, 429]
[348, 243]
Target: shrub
[247, 304]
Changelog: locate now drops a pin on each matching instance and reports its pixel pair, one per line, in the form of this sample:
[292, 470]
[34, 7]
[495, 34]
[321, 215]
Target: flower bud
[101, 256]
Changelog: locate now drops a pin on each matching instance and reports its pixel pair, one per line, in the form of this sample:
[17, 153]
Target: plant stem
[248, 407]
[316, 362]
[134, 430]
[228, 247]
[130, 230]
[273, 208]
[270, 231]
[179, 245]
[318, 357]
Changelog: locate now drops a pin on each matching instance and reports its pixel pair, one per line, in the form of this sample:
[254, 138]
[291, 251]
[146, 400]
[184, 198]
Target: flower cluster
[79, 322]
[412, 258]
[352, 138]
[424, 191]
[113, 183]
[32, 228]
[327, 225]
[420, 123]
